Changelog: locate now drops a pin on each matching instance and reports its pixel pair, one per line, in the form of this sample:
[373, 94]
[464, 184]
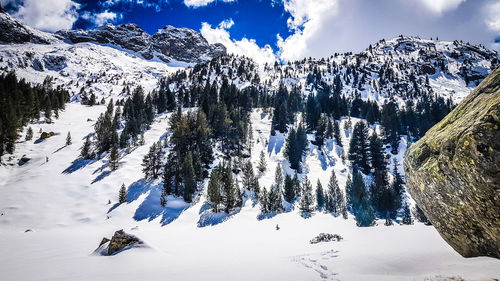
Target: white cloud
[48, 15]
[244, 47]
[307, 18]
[320, 28]
[441, 6]
[201, 3]
[101, 18]
[493, 16]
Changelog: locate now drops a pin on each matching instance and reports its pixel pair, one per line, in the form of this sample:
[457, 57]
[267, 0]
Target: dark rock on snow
[120, 240]
[46, 135]
[325, 237]
[453, 172]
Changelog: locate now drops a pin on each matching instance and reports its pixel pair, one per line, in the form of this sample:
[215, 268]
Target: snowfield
[55, 213]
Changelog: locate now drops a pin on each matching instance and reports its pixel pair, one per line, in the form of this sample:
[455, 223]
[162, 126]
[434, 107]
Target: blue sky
[279, 29]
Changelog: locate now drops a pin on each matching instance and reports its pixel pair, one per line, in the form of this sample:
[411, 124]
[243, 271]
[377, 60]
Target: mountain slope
[56, 208]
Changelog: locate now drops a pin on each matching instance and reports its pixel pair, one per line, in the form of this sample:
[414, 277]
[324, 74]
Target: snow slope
[67, 214]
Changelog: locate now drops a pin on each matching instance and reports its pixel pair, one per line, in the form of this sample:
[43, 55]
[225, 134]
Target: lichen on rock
[453, 172]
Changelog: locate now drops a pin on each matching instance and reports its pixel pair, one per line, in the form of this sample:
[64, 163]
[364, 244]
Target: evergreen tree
[289, 189]
[188, 178]
[86, 153]
[336, 134]
[275, 199]
[407, 214]
[358, 147]
[320, 196]
[335, 198]
[306, 199]
[153, 161]
[230, 192]
[68, 139]
[113, 158]
[264, 201]
[214, 190]
[249, 180]
[296, 146]
[278, 176]
[29, 134]
[262, 167]
[365, 215]
[122, 196]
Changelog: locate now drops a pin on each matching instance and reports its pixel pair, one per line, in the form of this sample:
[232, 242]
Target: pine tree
[85, 153]
[336, 134]
[29, 134]
[122, 195]
[249, 180]
[335, 201]
[306, 199]
[358, 147]
[278, 177]
[289, 189]
[113, 158]
[153, 161]
[262, 167]
[188, 178]
[214, 190]
[365, 215]
[275, 199]
[68, 139]
[229, 190]
[264, 201]
[320, 196]
[407, 214]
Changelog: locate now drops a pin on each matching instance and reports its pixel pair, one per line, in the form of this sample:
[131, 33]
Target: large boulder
[453, 172]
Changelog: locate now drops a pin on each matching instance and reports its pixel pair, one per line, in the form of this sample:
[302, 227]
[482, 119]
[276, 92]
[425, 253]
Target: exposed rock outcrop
[453, 172]
[169, 43]
[120, 240]
[14, 31]
[325, 237]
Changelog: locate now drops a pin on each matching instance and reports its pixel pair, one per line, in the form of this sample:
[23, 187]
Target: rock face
[120, 240]
[14, 31]
[453, 172]
[169, 43]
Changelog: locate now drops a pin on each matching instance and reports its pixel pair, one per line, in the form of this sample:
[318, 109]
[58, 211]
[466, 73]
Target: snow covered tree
[320, 196]
[335, 202]
[306, 198]
[29, 134]
[68, 139]
[122, 195]
[262, 167]
[113, 158]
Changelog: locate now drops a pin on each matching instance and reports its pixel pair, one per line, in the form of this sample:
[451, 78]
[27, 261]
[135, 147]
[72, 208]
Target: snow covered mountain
[56, 207]
[402, 67]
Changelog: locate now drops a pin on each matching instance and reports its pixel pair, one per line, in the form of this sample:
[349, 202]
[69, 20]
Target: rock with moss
[453, 172]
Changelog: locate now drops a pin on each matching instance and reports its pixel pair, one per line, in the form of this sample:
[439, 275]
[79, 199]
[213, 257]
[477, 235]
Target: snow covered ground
[55, 213]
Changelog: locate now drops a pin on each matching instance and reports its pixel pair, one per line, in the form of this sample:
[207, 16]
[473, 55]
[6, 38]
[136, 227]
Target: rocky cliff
[453, 172]
[168, 44]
